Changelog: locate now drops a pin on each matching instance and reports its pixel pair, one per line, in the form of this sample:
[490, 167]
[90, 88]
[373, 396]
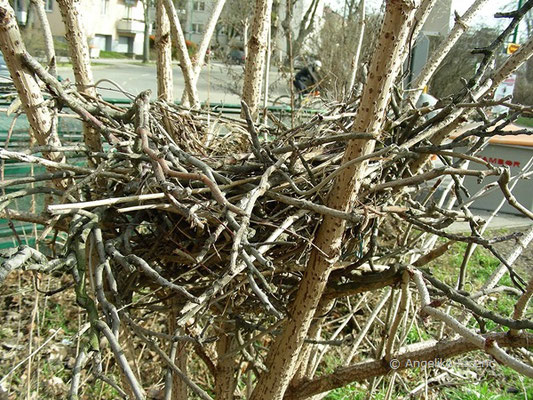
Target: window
[104, 7]
[49, 5]
[197, 28]
[199, 6]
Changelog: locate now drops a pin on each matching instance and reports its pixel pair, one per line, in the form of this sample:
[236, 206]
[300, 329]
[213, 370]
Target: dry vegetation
[191, 255]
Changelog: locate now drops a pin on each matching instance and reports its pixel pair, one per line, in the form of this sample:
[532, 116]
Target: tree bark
[255, 60]
[163, 44]
[355, 61]
[206, 40]
[225, 373]
[429, 351]
[175, 387]
[384, 68]
[147, 26]
[306, 26]
[183, 55]
[28, 89]
[38, 5]
[81, 63]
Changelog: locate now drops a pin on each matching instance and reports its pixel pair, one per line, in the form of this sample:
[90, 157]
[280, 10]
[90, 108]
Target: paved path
[501, 221]
[218, 83]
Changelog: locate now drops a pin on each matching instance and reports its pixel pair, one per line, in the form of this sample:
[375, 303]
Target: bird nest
[195, 214]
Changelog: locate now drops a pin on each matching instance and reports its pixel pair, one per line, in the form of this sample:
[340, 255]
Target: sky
[486, 14]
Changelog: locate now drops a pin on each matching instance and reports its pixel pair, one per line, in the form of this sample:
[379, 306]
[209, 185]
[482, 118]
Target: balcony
[128, 25]
[21, 16]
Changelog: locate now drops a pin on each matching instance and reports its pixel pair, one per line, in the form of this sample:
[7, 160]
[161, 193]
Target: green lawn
[524, 121]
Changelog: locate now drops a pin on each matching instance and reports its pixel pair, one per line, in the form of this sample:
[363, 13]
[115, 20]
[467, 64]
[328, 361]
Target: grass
[512, 387]
[113, 54]
[524, 121]
[349, 392]
[482, 383]
[497, 383]
[480, 267]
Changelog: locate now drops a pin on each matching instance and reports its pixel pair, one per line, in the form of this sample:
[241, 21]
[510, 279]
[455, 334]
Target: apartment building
[194, 16]
[112, 25]
[118, 25]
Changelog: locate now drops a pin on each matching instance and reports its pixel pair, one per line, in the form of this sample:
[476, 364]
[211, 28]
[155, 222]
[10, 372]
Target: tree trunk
[183, 55]
[81, 63]
[306, 26]
[38, 5]
[385, 66]
[225, 373]
[355, 61]
[206, 40]
[163, 45]
[286, 24]
[147, 26]
[255, 60]
[175, 387]
[27, 87]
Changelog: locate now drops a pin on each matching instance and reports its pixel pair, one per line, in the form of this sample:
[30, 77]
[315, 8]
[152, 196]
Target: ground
[30, 317]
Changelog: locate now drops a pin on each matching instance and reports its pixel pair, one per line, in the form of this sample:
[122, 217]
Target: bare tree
[48, 39]
[255, 58]
[383, 71]
[12, 47]
[461, 25]
[163, 44]
[306, 26]
[183, 55]
[361, 34]
[191, 70]
[199, 59]
[81, 63]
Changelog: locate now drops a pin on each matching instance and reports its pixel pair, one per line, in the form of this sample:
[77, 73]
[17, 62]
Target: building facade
[118, 25]
[111, 25]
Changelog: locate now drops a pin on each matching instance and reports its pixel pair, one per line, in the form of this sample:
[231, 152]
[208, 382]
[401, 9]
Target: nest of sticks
[187, 212]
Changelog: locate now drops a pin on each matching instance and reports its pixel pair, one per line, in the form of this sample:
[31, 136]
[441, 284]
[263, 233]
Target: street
[218, 83]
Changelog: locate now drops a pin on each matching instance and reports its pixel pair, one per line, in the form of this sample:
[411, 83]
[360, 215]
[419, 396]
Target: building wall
[438, 22]
[113, 25]
[197, 16]
[108, 24]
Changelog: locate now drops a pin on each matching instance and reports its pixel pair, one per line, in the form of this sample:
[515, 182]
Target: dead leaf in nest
[57, 352]
[3, 393]
[9, 345]
[154, 393]
[56, 386]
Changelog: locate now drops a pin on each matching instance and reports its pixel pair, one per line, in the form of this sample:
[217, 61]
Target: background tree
[336, 46]
[148, 5]
[255, 59]
[444, 82]
[81, 64]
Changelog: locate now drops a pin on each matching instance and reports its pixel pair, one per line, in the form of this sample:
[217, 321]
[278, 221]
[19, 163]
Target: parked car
[236, 56]
[4, 72]
[6, 83]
